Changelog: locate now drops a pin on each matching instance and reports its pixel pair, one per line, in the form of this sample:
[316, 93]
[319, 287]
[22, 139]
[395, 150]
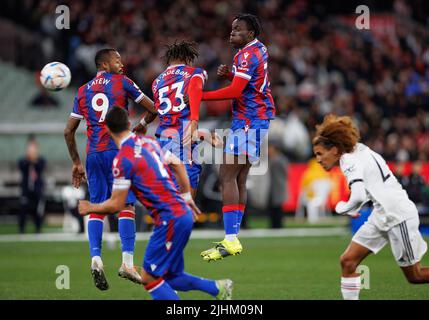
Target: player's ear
[105, 65]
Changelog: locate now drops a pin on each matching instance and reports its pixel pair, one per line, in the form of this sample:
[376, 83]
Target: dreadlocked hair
[337, 132]
[184, 50]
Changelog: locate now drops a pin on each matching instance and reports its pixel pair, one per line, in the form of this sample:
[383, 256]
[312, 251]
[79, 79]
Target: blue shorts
[193, 169]
[100, 177]
[164, 251]
[247, 139]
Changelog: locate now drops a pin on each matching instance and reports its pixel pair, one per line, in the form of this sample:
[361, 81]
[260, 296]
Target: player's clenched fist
[223, 71]
[84, 207]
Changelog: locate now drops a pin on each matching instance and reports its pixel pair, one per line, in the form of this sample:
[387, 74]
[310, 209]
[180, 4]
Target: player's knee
[242, 181]
[414, 278]
[348, 263]
[226, 177]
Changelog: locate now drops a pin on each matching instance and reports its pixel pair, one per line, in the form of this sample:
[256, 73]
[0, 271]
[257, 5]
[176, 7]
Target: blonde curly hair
[336, 131]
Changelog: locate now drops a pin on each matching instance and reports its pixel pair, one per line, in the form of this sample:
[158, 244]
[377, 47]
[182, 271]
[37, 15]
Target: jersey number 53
[164, 95]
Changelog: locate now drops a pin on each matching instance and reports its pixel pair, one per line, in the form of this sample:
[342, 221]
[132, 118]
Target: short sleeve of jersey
[121, 170]
[245, 65]
[132, 90]
[351, 168]
[76, 112]
[201, 73]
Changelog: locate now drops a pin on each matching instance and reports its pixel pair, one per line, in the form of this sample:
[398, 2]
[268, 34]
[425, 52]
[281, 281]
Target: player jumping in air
[252, 110]
[141, 166]
[178, 119]
[394, 218]
[109, 88]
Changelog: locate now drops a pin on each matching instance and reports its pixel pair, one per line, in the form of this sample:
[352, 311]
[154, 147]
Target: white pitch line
[196, 234]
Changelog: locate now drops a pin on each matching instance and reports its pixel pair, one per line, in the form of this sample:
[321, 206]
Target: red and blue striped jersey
[94, 99]
[168, 90]
[140, 165]
[256, 102]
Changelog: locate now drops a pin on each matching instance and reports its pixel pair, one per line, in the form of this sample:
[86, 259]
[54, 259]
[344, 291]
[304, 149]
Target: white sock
[128, 259]
[350, 288]
[96, 262]
[230, 237]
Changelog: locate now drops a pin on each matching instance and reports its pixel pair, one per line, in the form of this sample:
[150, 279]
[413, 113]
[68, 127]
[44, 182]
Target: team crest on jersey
[244, 64]
[115, 170]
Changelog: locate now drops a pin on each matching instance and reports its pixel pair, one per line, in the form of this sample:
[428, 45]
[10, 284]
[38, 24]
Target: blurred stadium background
[319, 63]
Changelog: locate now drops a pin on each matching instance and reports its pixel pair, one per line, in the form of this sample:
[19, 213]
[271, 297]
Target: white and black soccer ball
[55, 76]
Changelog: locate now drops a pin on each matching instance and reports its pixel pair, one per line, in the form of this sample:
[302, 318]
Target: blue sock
[95, 235]
[127, 230]
[240, 216]
[161, 290]
[230, 216]
[187, 282]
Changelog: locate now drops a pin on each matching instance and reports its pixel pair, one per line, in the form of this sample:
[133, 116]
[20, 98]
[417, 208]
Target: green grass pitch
[269, 268]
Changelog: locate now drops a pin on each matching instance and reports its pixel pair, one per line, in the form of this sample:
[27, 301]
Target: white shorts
[408, 246]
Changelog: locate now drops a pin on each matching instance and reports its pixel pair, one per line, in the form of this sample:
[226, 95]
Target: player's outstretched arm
[78, 173]
[231, 92]
[356, 201]
[195, 93]
[111, 206]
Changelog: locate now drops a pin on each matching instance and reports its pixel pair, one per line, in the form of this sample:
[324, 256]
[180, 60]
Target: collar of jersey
[251, 43]
[175, 65]
[131, 135]
[100, 72]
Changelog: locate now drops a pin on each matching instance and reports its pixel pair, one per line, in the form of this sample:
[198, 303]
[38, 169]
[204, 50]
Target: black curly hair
[252, 22]
[184, 50]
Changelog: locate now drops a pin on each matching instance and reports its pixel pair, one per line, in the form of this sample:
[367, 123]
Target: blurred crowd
[319, 61]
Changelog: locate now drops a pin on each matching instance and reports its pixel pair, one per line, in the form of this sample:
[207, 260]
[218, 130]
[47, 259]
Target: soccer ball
[55, 76]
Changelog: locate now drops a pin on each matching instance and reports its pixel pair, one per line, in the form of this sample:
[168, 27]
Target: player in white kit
[394, 218]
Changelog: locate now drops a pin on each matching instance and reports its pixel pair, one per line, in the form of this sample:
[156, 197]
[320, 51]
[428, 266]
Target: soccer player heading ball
[252, 110]
[394, 218]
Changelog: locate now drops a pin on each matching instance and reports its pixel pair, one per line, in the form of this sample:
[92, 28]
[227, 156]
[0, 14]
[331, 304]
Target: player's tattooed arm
[78, 172]
[147, 103]
[111, 206]
[150, 115]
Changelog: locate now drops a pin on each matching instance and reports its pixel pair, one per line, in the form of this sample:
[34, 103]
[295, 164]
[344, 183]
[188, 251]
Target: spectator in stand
[32, 168]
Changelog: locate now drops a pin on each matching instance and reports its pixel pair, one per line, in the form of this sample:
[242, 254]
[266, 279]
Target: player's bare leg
[242, 191]
[126, 222]
[349, 260]
[416, 274]
[229, 172]
[193, 193]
